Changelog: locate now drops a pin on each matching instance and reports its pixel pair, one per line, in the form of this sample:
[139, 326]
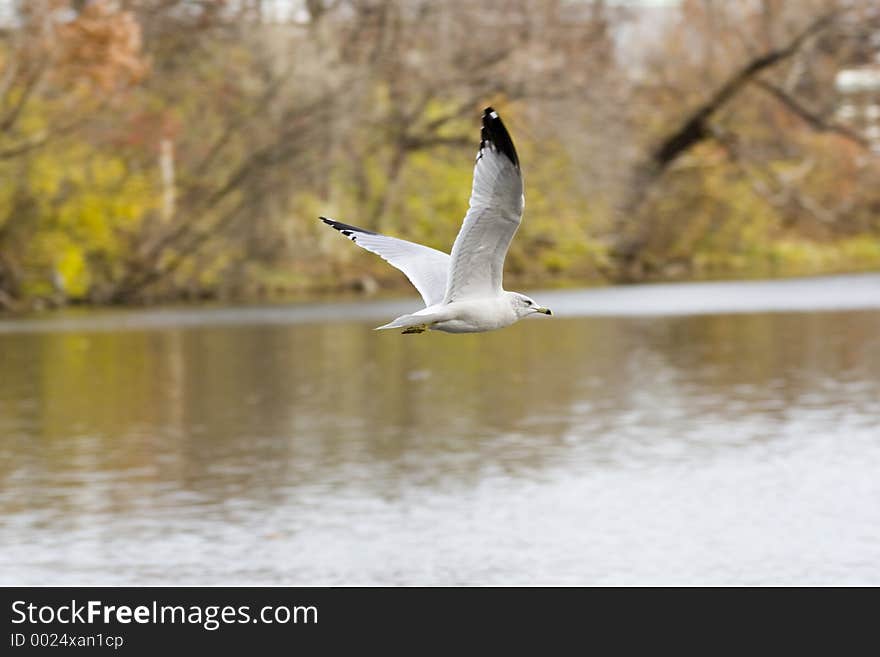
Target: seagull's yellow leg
[421, 328]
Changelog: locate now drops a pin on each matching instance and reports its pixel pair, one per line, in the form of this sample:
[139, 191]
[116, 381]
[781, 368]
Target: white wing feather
[495, 213]
[426, 268]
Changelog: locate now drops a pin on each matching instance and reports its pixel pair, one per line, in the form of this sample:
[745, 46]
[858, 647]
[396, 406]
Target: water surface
[645, 435]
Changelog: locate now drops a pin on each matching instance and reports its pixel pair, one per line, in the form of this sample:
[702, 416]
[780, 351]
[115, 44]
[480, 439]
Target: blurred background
[156, 150]
[668, 431]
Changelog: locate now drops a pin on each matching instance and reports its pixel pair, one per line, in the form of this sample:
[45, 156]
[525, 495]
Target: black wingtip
[494, 133]
[345, 229]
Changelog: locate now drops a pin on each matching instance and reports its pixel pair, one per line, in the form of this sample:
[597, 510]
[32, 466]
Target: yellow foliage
[83, 202]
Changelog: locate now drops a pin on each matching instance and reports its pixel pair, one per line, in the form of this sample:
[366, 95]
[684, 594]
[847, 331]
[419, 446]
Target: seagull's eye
[528, 303]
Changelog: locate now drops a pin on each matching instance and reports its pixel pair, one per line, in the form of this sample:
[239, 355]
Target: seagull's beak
[543, 311]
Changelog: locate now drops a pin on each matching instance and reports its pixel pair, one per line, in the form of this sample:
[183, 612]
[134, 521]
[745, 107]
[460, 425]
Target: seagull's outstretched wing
[426, 268]
[495, 213]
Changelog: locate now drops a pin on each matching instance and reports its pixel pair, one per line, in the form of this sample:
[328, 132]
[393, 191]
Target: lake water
[724, 433]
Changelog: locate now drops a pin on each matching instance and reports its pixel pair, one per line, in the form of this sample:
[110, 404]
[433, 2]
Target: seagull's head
[523, 306]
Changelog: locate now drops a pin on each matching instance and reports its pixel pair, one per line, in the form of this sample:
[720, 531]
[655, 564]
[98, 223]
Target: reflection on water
[669, 449]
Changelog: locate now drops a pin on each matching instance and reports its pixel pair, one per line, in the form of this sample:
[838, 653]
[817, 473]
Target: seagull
[463, 291]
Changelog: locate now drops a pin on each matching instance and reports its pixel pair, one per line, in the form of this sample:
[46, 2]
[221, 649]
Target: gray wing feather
[495, 212]
[426, 268]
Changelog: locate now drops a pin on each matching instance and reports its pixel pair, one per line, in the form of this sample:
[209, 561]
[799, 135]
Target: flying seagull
[463, 291]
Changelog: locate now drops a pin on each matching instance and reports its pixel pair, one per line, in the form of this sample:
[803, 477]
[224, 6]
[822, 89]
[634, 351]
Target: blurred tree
[774, 66]
[163, 149]
[61, 69]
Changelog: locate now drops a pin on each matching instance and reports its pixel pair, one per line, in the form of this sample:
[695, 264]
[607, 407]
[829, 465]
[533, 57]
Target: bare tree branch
[694, 128]
[630, 238]
[813, 119]
[31, 86]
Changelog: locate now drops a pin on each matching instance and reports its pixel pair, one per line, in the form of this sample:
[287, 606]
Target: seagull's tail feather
[417, 320]
[404, 321]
